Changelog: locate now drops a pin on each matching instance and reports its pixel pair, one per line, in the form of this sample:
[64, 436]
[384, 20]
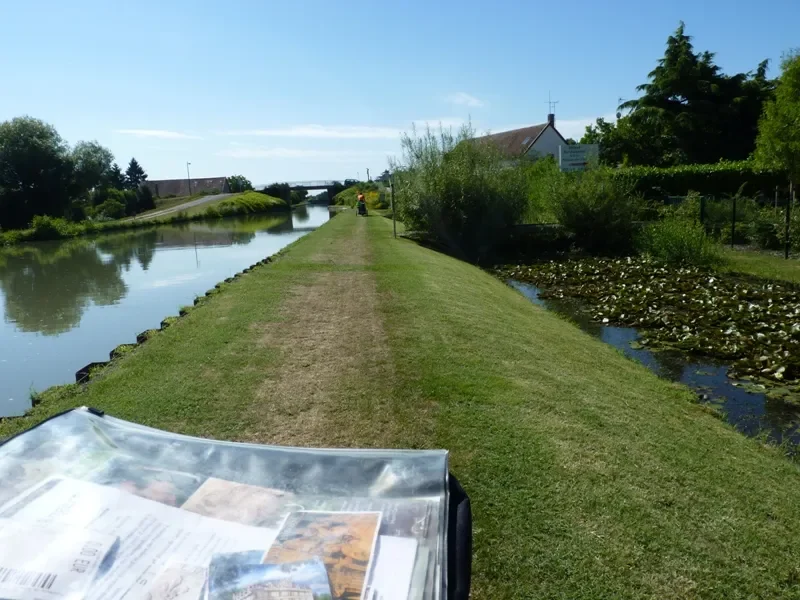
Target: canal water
[750, 412]
[65, 304]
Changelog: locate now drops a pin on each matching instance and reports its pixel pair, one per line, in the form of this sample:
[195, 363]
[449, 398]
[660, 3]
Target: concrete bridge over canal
[329, 185]
[321, 184]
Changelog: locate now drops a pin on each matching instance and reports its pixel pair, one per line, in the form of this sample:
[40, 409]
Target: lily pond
[734, 340]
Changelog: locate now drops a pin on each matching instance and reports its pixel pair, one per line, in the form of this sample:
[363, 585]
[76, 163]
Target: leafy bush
[239, 183]
[722, 178]
[457, 191]
[144, 199]
[382, 201]
[679, 241]
[767, 229]
[278, 190]
[373, 196]
[539, 175]
[755, 224]
[110, 209]
[599, 210]
[44, 227]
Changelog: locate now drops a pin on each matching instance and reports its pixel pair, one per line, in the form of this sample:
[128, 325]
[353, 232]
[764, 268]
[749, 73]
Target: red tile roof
[517, 141]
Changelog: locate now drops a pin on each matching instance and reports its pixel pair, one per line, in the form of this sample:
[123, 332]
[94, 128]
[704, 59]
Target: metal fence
[768, 223]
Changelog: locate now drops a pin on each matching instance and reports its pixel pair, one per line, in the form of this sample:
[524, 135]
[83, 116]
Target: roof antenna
[551, 104]
[551, 107]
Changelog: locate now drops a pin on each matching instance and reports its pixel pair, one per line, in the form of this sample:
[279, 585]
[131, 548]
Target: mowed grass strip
[589, 476]
[768, 265]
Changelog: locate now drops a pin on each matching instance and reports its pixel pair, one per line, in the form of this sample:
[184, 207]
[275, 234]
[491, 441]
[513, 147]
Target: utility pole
[391, 191]
[368, 179]
[189, 178]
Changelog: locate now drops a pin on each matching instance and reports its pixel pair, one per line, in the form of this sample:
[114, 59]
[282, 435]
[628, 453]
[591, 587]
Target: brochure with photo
[240, 502]
[230, 579]
[150, 536]
[345, 543]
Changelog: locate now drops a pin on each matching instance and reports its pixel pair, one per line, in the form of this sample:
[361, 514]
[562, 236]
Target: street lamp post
[391, 190]
[189, 178]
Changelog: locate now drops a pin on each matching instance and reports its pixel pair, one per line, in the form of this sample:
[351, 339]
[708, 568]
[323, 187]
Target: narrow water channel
[751, 413]
[68, 303]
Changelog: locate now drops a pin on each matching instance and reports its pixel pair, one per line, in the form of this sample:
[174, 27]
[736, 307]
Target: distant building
[529, 142]
[180, 187]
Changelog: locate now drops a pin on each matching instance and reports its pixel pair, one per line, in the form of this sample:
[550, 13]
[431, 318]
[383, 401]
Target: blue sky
[320, 89]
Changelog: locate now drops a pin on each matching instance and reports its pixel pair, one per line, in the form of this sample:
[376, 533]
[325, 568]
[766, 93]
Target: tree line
[689, 112]
[40, 174]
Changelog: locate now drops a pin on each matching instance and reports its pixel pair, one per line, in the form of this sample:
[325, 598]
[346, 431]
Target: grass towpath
[769, 265]
[589, 476]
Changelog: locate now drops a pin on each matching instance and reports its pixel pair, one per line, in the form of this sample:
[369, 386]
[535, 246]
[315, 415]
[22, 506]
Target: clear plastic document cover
[98, 508]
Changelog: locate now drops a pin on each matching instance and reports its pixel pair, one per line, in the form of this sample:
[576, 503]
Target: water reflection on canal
[68, 303]
[750, 413]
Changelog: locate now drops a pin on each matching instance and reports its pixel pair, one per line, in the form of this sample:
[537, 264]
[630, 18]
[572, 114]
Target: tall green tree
[239, 183]
[778, 144]
[91, 162]
[134, 174]
[115, 178]
[689, 112]
[35, 171]
[279, 190]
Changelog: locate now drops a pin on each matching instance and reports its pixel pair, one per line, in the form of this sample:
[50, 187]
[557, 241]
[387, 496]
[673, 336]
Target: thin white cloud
[321, 131]
[344, 132]
[444, 123]
[465, 99]
[239, 151]
[159, 133]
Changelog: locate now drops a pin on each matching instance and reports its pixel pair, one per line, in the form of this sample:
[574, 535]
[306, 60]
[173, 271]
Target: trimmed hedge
[720, 179]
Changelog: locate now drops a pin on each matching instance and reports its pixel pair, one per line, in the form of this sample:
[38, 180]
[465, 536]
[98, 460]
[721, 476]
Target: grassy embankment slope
[55, 229]
[590, 477]
[762, 264]
[245, 203]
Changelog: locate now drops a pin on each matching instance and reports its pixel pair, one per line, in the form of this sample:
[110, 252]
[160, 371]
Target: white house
[529, 142]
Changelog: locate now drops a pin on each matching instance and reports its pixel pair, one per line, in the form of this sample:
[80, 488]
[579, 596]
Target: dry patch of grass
[329, 340]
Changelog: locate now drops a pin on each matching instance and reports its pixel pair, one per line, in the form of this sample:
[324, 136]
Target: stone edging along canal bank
[85, 374]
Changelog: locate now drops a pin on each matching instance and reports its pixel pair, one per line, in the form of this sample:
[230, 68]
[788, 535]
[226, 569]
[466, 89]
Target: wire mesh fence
[766, 223]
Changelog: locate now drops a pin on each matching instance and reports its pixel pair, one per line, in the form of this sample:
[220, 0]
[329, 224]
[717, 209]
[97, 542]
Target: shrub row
[720, 179]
